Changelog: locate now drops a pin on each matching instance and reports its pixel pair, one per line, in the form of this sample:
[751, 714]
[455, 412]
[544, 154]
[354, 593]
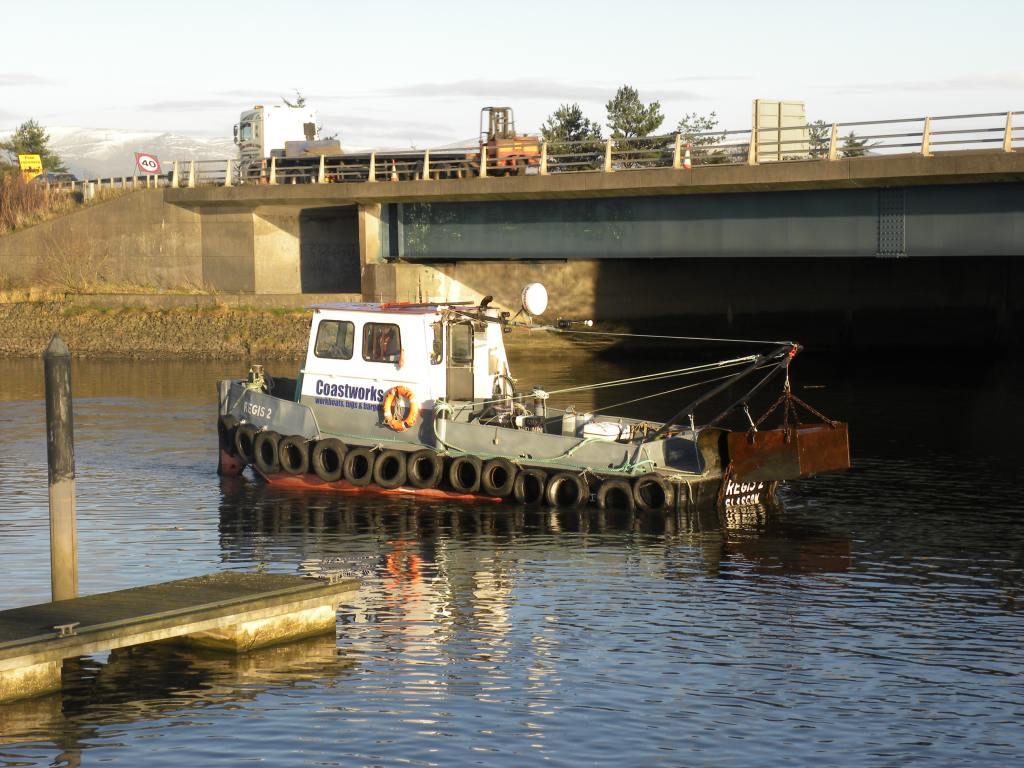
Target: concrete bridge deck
[959, 167]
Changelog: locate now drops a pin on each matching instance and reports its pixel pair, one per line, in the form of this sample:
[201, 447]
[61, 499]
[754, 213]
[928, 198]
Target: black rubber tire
[265, 452]
[293, 453]
[358, 466]
[245, 442]
[328, 458]
[529, 486]
[226, 426]
[616, 493]
[653, 493]
[464, 474]
[424, 469]
[498, 477]
[566, 489]
[389, 469]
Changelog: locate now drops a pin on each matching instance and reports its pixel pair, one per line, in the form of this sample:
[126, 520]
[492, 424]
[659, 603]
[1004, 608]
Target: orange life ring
[391, 408]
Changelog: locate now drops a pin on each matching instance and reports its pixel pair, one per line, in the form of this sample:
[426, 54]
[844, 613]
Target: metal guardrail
[819, 141]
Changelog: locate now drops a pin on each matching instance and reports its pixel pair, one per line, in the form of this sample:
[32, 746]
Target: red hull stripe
[314, 483]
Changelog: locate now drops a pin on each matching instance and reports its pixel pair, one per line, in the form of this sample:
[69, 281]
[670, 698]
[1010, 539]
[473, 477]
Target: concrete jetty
[233, 612]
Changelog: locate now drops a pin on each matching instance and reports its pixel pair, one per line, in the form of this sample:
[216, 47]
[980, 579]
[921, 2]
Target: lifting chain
[790, 416]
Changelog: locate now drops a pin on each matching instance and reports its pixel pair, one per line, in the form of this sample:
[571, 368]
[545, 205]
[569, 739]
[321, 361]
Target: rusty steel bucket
[789, 453]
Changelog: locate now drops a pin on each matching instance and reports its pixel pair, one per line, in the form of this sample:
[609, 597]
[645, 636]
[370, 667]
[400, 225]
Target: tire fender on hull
[358, 466]
[328, 458]
[424, 468]
[266, 452]
[293, 453]
[529, 486]
[464, 474]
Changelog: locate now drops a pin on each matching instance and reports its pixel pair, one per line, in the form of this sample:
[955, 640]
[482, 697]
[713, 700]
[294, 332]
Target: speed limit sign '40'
[147, 163]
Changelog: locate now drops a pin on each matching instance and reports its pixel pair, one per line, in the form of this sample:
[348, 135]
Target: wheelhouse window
[334, 339]
[461, 343]
[382, 343]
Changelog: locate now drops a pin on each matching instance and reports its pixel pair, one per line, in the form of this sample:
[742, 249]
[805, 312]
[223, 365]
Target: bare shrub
[74, 260]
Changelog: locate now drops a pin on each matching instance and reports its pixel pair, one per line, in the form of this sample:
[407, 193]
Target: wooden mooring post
[60, 459]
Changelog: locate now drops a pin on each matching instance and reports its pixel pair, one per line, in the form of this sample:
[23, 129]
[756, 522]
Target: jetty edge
[419, 399]
[231, 612]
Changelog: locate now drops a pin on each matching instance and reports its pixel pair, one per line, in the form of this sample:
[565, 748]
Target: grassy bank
[24, 204]
[217, 332]
[151, 326]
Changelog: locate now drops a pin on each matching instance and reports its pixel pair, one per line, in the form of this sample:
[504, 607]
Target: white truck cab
[262, 131]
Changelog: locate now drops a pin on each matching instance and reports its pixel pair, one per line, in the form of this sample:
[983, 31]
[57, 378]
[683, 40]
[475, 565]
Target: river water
[874, 618]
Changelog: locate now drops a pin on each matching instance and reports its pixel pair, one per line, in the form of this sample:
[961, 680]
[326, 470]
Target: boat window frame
[352, 339]
[365, 346]
[437, 343]
[468, 359]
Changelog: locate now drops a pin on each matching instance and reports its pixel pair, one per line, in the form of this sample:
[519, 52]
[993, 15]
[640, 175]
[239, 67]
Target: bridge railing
[817, 141]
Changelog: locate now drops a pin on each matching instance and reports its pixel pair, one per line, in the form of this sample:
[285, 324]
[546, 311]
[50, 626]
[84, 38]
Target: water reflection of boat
[765, 538]
[150, 682]
[259, 526]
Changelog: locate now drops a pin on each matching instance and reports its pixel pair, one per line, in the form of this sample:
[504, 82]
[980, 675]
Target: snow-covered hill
[90, 152]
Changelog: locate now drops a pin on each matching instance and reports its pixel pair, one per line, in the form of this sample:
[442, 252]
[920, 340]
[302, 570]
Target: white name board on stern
[147, 163]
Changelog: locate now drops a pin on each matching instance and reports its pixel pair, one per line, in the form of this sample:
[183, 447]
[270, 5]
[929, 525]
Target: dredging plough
[418, 398]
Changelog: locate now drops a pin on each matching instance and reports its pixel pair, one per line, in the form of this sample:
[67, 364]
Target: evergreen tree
[854, 147]
[568, 123]
[700, 130]
[30, 138]
[574, 140]
[300, 100]
[628, 117]
[819, 136]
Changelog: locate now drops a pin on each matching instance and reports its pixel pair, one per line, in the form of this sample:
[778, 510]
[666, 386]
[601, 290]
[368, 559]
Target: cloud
[970, 82]
[375, 130]
[533, 88]
[184, 105]
[16, 79]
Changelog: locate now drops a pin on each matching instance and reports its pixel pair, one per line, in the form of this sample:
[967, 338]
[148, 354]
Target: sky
[403, 73]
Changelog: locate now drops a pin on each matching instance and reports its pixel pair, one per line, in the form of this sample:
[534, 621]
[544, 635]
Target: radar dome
[535, 299]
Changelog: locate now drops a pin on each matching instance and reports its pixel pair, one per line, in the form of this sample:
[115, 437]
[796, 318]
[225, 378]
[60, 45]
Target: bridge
[914, 216]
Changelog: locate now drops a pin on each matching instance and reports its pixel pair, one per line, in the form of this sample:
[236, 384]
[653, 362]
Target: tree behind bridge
[30, 138]
[631, 121]
[574, 140]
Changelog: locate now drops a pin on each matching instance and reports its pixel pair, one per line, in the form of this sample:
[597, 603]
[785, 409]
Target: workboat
[419, 399]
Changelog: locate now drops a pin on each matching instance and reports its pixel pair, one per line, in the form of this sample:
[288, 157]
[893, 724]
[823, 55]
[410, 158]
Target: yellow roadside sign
[31, 166]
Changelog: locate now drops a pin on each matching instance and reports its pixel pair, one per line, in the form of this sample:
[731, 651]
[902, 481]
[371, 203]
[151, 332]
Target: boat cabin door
[460, 361]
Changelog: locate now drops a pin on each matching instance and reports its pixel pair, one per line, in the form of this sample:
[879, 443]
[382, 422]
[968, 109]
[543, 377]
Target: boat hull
[309, 482]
